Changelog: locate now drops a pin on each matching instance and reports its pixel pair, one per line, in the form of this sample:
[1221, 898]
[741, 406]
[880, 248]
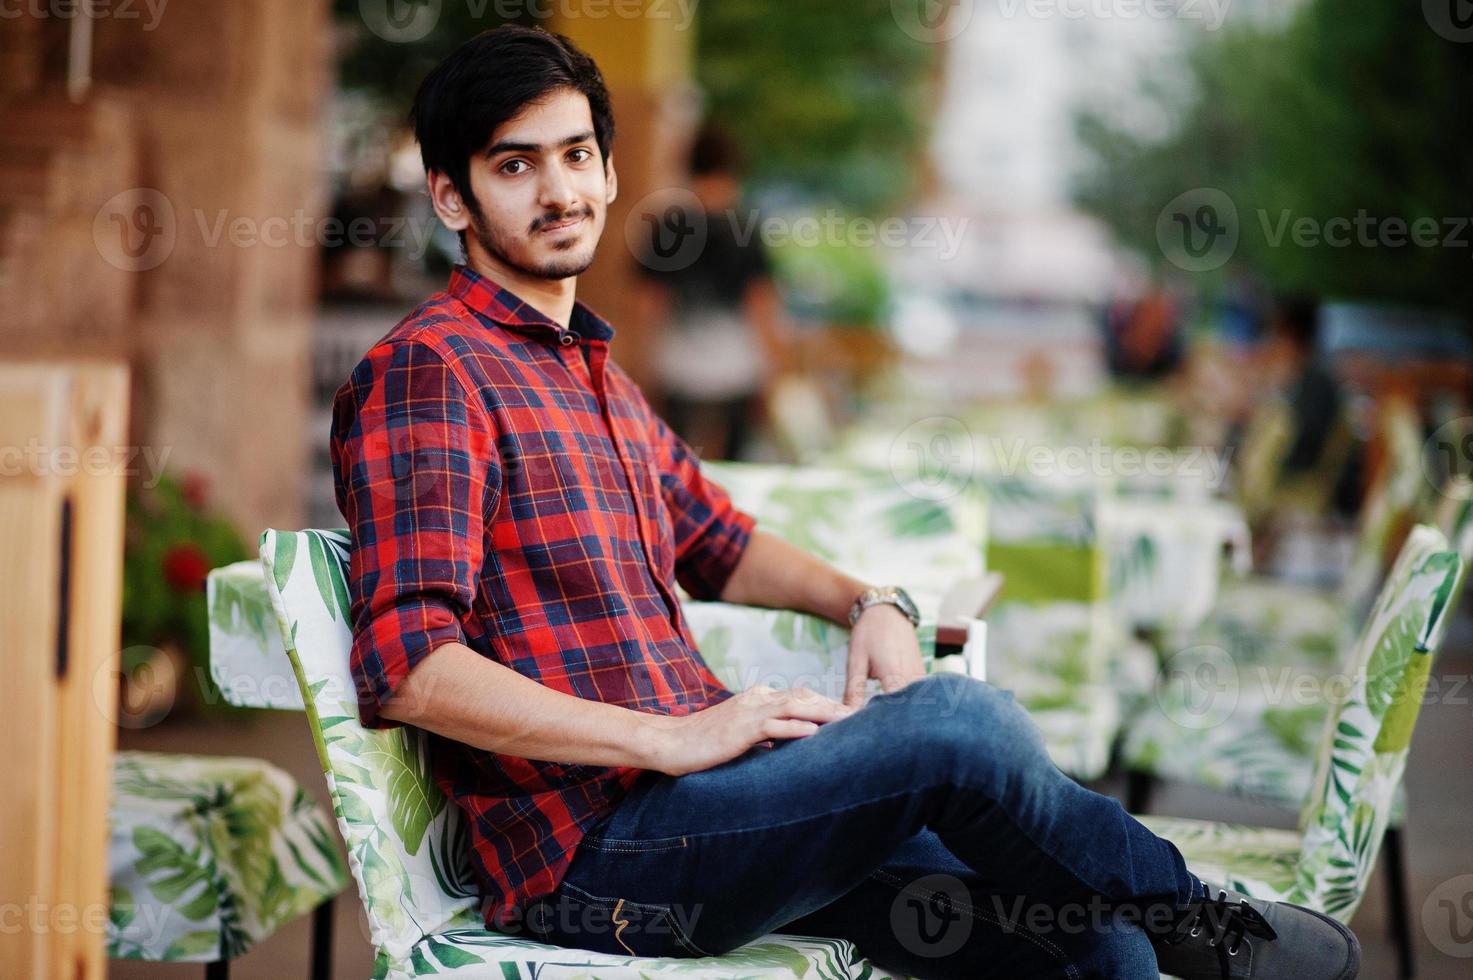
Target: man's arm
[774, 573]
[459, 694]
[778, 575]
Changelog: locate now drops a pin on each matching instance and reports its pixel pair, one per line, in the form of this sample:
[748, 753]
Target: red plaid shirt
[509, 488]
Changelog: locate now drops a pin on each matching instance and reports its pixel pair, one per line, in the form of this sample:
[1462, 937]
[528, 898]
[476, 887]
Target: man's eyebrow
[511, 146]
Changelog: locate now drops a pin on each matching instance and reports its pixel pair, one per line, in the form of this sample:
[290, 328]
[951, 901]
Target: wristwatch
[892, 595]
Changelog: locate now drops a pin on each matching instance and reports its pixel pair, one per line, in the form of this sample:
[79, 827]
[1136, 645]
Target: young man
[520, 520]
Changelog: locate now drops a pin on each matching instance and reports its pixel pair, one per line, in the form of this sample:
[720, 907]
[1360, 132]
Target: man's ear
[611, 181]
[447, 201]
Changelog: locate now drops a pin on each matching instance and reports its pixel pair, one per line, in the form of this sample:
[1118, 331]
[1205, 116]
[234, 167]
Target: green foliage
[169, 543]
[1350, 108]
[827, 97]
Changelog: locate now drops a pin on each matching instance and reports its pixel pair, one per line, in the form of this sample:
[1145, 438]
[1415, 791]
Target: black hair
[714, 151]
[490, 79]
[1296, 316]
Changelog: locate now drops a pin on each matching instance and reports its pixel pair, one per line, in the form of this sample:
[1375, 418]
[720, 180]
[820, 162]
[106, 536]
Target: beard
[496, 244]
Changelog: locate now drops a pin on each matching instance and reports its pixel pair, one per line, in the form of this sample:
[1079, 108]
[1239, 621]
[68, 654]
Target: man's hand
[703, 739]
[883, 645]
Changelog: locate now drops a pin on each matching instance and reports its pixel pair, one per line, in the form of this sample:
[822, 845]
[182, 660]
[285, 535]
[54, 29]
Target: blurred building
[148, 157]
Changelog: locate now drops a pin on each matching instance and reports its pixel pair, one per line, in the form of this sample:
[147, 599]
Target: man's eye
[586, 153]
[512, 163]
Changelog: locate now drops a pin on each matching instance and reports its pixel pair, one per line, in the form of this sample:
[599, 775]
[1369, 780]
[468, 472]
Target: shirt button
[569, 339]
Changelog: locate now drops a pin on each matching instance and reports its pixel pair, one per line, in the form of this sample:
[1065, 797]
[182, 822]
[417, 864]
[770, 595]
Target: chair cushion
[211, 854]
[470, 952]
[1256, 861]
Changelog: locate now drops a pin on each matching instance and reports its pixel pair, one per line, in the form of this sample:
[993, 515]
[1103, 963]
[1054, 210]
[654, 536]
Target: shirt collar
[502, 306]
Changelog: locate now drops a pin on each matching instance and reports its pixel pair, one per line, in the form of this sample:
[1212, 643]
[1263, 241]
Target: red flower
[195, 488]
[185, 568]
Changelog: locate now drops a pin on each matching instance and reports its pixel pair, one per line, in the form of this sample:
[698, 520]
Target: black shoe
[1234, 937]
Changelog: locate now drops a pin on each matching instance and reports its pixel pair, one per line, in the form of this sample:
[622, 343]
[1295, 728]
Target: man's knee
[951, 714]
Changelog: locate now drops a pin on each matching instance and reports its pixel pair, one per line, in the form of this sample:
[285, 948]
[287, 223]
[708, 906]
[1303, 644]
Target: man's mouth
[561, 226]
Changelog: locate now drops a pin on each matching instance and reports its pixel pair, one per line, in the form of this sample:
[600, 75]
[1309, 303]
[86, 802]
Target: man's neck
[551, 297]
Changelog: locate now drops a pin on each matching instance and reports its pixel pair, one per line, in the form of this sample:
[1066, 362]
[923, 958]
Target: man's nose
[557, 190]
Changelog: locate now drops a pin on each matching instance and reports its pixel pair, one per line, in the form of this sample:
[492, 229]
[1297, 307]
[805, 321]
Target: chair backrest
[1395, 502]
[863, 522]
[1455, 515]
[406, 842]
[1363, 750]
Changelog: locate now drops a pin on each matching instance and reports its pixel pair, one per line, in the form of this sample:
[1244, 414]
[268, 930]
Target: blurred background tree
[1349, 107]
[829, 98]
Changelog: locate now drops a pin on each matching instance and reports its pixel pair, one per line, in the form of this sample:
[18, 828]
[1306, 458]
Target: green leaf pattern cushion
[211, 854]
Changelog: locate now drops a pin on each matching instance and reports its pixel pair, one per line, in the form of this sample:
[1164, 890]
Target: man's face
[542, 190]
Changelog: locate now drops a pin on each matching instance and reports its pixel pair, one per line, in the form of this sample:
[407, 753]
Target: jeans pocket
[574, 918]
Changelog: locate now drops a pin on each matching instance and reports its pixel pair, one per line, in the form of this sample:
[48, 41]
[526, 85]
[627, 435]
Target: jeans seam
[663, 911]
[1048, 946]
[619, 845]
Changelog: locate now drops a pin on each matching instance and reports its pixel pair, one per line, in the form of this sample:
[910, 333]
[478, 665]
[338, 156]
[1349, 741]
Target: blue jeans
[929, 828]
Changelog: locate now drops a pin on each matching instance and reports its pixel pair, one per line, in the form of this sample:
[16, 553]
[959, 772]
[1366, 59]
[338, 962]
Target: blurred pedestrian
[721, 336]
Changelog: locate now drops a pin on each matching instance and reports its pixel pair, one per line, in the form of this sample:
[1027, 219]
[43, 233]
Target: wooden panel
[62, 430]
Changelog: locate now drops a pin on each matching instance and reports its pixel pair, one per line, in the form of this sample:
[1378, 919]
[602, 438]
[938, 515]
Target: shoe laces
[1227, 925]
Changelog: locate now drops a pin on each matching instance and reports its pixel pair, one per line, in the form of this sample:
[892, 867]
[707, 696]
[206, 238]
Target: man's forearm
[459, 694]
[779, 575]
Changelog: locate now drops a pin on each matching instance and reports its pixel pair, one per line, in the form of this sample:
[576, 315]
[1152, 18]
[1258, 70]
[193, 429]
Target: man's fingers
[787, 728]
[812, 707]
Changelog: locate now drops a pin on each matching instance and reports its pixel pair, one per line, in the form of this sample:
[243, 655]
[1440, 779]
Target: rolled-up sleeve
[416, 475]
[711, 533]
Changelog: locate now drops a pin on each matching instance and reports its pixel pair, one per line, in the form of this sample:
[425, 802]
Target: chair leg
[322, 941]
[1393, 847]
[218, 970]
[1139, 788]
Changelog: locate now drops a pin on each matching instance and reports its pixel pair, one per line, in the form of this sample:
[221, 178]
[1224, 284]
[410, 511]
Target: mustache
[553, 219]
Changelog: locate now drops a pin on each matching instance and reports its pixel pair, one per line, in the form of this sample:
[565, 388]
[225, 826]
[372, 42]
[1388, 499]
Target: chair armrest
[967, 600]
